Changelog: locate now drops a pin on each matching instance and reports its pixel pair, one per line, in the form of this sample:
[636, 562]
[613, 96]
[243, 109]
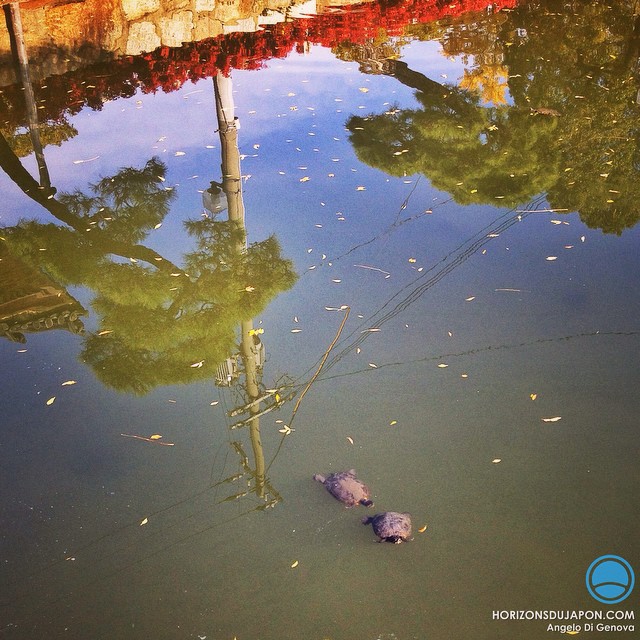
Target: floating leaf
[67, 383]
[422, 529]
[551, 258]
[197, 365]
[305, 179]
[51, 400]
[470, 298]
[105, 332]
[442, 365]
[155, 436]
[214, 403]
[496, 460]
[296, 330]
[555, 419]
[373, 366]
[393, 422]
[533, 396]
[144, 522]
[350, 439]
[294, 564]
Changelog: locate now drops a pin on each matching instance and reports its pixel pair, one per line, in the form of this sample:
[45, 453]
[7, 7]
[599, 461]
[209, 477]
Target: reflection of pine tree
[484, 155]
[154, 322]
[591, 79]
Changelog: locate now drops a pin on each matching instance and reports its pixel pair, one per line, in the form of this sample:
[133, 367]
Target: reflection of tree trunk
[434, 90]
[12, 166]
[19, 48]
[232, 186]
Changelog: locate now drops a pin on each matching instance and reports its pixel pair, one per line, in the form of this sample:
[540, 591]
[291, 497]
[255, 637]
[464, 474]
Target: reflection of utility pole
[251, 347]
[19, 49]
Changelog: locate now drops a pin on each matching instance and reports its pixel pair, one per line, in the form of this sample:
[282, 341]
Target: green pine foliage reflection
[567, 128]
[156, 319]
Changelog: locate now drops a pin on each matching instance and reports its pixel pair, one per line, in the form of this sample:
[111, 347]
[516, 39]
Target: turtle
[390, 526]
[344, 486]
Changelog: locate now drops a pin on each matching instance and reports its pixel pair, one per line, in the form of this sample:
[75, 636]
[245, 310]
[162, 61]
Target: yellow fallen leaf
[533, 396]
[294, 564]
[470, 299]
[442, 365]
[551, 258]
[296, 330]
[51, 400]
[105, 332]
[496, 460]
[197, 365]
[555, 419]
[155, 436]
[67, 383]
[144, 522]
[350, 439]
[305, 179]
[373, 366]
[422, 529]
[393, 422]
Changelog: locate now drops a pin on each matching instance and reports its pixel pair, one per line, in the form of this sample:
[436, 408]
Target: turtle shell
[390, 526]
[344, 486]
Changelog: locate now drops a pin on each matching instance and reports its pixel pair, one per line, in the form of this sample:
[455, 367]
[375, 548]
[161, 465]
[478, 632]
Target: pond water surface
[438, 287]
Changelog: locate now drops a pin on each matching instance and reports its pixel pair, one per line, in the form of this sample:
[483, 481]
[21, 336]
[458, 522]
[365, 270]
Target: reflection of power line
[485, 349]
[418, 286]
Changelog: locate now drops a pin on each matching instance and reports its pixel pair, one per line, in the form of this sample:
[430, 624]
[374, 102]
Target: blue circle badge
[610, 579]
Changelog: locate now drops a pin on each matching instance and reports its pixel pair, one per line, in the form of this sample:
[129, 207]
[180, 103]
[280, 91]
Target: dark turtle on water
[344, 486]
[390, 526]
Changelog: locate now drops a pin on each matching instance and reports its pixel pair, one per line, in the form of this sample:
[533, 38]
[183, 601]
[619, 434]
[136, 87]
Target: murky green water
[438, 288]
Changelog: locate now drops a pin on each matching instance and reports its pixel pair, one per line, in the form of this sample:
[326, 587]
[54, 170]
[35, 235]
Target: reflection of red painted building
[167, 69]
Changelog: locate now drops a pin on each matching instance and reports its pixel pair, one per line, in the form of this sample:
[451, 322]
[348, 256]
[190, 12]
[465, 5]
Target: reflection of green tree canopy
[495, 155]
[155, 322]
[579, 59]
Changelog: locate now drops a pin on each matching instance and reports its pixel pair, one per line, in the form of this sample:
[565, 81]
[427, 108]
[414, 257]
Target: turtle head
[318, 478]
[365, 502]
[394, 539]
